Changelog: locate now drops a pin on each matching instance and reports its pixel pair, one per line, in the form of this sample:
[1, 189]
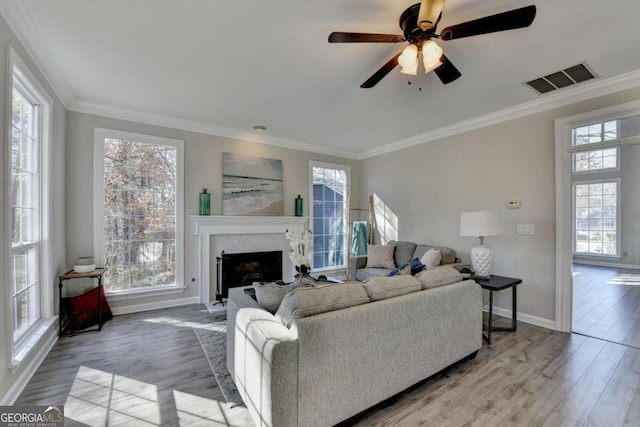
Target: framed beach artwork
[251, 186]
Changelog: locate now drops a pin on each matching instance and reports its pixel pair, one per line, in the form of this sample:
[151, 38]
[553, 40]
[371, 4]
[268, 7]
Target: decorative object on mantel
[299, 204]
[251, 186]
[205, 203]
[480, 224]
[301, 251]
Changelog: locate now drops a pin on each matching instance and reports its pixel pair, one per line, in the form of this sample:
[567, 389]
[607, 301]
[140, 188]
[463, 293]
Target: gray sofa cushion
[363, 274]
[379, 288]
[404, 252]
[448, 254]
[303, 302]
[439, 276]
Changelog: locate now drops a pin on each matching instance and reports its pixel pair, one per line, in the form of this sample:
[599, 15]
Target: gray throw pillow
[439, 276]
[269, 296]
[380, 256]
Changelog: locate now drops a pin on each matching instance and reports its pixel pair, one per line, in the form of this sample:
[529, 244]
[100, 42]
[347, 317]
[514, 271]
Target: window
[596, 160]
[330, 190]
[28, 189]
[596, 217]
[139, 200]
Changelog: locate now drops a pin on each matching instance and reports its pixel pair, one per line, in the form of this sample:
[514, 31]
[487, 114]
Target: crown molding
[204, 128]
[27, 34]
[559, 99]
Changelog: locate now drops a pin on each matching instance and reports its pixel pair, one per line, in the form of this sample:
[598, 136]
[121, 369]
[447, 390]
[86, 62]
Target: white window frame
[17, 71]
[594, 147]
[347, 170]
[618, 182]
[98, 208]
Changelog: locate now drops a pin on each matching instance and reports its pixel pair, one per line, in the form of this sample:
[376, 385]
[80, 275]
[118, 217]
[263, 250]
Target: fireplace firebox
[234, 270]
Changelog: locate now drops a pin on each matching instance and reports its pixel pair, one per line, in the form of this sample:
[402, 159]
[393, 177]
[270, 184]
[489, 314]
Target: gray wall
[10, 377]
[202, 169]
[480, 170]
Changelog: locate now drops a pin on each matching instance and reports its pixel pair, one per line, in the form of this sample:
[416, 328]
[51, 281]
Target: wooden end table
[499, 283]
[96, 274]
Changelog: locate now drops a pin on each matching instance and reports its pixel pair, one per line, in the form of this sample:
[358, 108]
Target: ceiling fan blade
[429, 13]
[447, 72]
[383, 71]
[338, 37]
[517, 18]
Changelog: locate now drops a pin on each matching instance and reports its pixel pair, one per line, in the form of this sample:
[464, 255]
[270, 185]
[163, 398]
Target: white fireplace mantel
[216, 225]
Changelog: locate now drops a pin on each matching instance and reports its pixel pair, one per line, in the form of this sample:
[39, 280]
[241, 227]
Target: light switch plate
[525, 229]
[513, 204]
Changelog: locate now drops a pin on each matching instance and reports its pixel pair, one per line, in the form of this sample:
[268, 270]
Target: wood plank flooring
[606, 303]
[148, 369]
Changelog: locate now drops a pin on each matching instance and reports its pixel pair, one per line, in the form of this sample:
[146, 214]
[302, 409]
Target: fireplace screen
[243, 269]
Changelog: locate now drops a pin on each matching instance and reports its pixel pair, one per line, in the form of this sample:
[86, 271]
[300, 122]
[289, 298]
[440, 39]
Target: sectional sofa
[332, 351]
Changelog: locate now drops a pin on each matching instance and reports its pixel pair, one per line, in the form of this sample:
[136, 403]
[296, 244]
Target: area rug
[213, 339]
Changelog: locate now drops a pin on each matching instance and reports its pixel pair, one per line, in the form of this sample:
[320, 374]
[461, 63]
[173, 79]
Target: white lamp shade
[479, 223]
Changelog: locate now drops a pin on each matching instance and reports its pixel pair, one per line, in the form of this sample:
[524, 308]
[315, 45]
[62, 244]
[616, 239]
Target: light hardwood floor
[148, 369]
[606, 303]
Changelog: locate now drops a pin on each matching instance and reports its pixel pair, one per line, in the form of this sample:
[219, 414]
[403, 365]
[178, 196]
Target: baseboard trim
[526, 318]
[606, 264]
[148, 306]
[31, 367]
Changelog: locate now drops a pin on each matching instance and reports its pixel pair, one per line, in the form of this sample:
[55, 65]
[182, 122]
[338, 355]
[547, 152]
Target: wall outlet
[513, 204]
[525, 229]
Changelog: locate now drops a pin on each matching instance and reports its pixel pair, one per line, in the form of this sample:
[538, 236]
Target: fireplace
[243, 269]
[236, 234]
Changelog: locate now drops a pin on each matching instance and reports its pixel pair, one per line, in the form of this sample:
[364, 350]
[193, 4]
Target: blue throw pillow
[397, 270]
[416, 266]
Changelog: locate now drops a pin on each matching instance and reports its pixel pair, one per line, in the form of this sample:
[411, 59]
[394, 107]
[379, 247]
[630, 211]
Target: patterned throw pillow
[431, 258]
[380, 256]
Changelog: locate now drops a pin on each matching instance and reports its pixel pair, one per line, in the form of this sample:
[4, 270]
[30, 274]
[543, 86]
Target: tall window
[596, 217]
[140, 228]
[330, 190]
[596, 156]
[28, 263]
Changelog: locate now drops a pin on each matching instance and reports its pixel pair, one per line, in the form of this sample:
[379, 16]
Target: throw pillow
[309, 301]
[380, 256]
[439, 276]
[269, 296]
[379, 288]
[416, 266]
[431, 258]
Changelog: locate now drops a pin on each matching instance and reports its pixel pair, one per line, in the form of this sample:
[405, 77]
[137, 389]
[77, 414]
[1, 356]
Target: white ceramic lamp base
[481, 260]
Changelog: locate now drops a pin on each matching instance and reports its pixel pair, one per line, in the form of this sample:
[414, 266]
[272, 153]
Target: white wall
[202, 169]
[12, 380]
[429, 185]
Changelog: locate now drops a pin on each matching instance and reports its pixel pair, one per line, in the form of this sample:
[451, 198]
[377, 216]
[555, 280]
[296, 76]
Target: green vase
[205, 203]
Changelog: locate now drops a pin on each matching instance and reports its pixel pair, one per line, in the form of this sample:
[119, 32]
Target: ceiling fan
[418, 23]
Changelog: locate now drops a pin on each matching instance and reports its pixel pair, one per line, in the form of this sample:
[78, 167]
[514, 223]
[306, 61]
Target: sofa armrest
[358, 261]
[266, 367]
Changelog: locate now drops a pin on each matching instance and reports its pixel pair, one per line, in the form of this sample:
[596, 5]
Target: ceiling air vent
[567, 77]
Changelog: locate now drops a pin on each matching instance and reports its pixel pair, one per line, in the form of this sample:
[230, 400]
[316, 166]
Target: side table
[96, 274]
[499, 283]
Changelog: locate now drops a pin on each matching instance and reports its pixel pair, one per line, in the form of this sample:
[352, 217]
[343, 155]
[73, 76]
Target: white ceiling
[224, 66]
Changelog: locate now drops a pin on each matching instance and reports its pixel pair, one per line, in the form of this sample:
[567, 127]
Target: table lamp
[480, 224]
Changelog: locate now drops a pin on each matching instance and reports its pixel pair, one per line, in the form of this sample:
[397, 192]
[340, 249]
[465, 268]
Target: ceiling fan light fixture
[431, 55]
[412, 71]
[409, 57]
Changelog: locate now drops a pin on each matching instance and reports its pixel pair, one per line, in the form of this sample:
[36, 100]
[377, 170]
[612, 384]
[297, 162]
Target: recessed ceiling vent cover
[567, 77]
